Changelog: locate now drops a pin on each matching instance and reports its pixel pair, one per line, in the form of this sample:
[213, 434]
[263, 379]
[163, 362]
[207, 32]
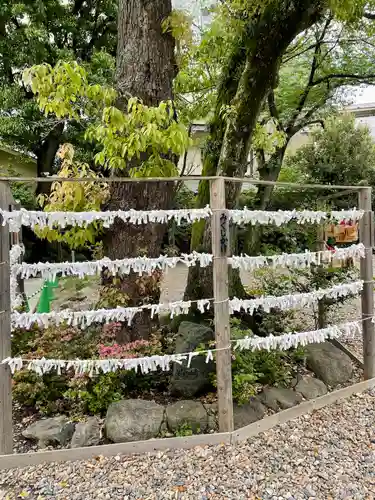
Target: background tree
[247, 70]
[341, 153]
[315, 76]
[243, 89]
[145, 68]
[46, 31]
[138, 137]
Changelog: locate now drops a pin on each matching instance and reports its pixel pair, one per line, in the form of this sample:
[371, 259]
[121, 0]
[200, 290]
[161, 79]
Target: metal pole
[366, 237]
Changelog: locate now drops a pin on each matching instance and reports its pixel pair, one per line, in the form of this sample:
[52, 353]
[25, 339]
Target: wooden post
[320, 246]
[16, 239]
[220, 250]
[6, 435]
[366, 237]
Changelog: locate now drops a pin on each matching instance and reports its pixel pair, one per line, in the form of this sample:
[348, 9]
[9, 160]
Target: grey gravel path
[329, 454]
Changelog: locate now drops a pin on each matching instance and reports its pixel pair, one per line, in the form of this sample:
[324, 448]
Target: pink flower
[125, 351]
[111, 330]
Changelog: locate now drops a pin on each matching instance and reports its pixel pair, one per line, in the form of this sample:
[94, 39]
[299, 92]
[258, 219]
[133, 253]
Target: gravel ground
[329, 454]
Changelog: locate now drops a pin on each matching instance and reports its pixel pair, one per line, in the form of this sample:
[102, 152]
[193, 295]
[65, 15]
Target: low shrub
[251, 369]
[75, 394]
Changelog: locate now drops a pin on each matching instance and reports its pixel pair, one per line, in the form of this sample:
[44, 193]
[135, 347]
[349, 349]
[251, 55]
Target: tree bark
[46, 153]
[145, 69]
[272, 32]
[145, 64]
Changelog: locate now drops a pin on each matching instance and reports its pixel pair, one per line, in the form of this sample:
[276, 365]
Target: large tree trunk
[46, 153]
[269, 171]
[145, 69]
[272, 32]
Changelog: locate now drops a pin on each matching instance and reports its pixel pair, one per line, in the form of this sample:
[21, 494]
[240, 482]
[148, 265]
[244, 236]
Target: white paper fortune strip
[15, 254]
[281, 217]
[289, 340]
[83, 319]
[139, 265]
[149, 364]
[93, 367]
[285, 302]
[31, 218]
[49, 270]
[296, 260]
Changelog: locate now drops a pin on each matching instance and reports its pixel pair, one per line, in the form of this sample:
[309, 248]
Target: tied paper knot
[281, 217]
[292, 301]
[15, 254]
[293, 340]
[140, 265]
[93, 367]
[33, 218]
[83, 319]
[147, 364]
[297, 260]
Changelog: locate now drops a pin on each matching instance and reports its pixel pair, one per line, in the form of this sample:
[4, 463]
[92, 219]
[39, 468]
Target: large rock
[248, 413]
[50, 431]
[87, 433]
[278, 397]
[133, 420]
[190, 381]
[329, 363]
[191, 413]
[311, 387]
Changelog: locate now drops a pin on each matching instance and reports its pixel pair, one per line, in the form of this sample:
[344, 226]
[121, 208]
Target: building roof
[28, 157]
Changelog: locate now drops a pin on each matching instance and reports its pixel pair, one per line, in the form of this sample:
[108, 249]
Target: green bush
[42, 393]
[95, 395]
[250, 369]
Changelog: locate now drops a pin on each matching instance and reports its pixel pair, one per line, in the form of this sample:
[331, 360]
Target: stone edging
[152, 445]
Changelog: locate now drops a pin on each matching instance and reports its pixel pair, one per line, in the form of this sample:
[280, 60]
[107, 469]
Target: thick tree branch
[310, 81]
[306, 118]
[333, 46]
[313, 122]
[364, 78]
[369, 15]
[272, 105]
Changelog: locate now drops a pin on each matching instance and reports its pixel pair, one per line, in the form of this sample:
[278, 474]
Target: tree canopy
[259, 73]
[46, 31]
[341, 153]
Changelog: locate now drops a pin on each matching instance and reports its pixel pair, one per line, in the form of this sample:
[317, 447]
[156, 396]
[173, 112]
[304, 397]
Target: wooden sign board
[342, 233]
